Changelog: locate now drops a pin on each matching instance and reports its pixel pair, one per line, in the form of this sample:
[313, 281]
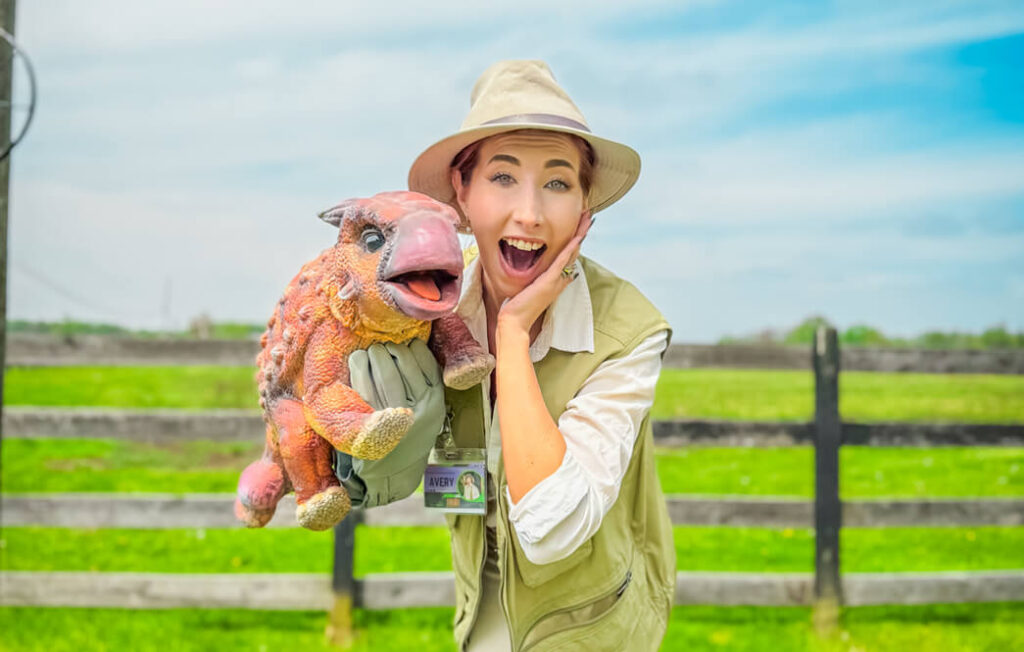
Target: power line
[66, 293]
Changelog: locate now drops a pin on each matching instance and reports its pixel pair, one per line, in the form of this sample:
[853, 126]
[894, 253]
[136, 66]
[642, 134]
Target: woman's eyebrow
[505, 157]
[557, 162]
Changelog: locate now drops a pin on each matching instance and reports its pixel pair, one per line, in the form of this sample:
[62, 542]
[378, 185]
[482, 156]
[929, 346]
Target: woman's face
[523, 202]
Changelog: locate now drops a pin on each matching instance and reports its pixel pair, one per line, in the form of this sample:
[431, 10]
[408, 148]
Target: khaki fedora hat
[521, 94]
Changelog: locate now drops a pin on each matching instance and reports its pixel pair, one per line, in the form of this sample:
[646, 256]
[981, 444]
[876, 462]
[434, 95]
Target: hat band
[539, 118]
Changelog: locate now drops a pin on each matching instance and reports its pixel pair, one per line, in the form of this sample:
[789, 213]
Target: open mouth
[521, 255]
[429, 284]
[425, 294]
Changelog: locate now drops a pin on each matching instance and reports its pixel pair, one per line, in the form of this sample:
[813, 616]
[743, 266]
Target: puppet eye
[372, 239]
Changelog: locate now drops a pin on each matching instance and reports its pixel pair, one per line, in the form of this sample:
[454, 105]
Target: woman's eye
[372, 238]
[503, 178]
[558, 184]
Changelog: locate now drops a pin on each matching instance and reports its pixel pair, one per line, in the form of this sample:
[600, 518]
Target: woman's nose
[528, 211]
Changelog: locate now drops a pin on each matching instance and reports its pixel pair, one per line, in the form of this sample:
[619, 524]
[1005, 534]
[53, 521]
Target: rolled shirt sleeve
[600, 425]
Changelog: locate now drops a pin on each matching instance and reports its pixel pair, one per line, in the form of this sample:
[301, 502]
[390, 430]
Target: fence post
[7, 13]
[827, 508]
[340, 630]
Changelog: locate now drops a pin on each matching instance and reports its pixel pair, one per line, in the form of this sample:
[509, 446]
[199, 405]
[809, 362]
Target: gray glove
[394, 375]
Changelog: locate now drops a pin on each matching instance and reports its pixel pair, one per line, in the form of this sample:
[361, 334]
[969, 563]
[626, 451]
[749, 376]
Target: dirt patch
[229, 460]
[77, 464]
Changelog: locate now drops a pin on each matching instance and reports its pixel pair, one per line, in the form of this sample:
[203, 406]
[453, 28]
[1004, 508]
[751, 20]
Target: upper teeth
[524, 245]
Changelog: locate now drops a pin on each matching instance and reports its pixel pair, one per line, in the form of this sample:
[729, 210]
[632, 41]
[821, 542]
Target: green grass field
[719, 393]
[110, 465]
[410, 549]
[993, 627]
[789, 395]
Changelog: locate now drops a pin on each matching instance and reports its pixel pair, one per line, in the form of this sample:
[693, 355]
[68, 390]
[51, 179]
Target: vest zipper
[502, 546]
[568, 618]
[483, 529]
[480, 587]
[503, 559]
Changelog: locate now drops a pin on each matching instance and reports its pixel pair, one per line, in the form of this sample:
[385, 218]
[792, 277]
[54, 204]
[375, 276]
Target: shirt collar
[568, 324]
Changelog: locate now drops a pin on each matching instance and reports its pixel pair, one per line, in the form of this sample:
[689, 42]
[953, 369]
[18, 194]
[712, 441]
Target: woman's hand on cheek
[522, 310]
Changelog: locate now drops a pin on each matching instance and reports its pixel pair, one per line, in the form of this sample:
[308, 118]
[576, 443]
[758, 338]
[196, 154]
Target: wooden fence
[27, 350]
[826, 587]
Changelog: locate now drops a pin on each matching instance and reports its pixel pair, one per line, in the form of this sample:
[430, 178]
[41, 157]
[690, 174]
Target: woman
[575, 550]
[470, 490]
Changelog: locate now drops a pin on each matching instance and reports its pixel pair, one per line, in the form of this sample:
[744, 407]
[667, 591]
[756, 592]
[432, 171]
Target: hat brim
[616, 168]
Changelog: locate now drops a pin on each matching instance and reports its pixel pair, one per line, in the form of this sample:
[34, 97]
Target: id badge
[454, 480]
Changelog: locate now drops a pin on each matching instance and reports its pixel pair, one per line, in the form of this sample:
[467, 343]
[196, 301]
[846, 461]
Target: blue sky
[861, 160]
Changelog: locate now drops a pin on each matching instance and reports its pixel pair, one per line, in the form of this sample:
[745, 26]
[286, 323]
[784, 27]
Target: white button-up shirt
[600, 424]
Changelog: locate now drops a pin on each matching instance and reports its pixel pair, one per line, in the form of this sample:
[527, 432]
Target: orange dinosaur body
[393, 275]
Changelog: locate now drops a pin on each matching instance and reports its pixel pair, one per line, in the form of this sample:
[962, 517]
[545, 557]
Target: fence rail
[400, 590]
[247, 425]
[164, 511]
[46, 350]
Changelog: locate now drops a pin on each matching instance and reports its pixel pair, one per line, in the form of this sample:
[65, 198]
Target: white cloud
[116, 250]
[195, 140]
[809, 174]
[112, 26]
[872, 252]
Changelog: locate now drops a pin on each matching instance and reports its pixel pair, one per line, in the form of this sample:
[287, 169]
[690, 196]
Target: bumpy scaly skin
[344, 300]
[459, 354]
[321, 511]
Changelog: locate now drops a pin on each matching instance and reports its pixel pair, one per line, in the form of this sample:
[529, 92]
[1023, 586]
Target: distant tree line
[994, 337]
[199, 328]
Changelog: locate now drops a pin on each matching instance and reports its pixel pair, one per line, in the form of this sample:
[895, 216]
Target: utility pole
[7, 8]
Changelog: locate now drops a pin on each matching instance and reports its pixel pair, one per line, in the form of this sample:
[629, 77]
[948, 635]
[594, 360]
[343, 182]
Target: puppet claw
[324, 509]
[252, 517]
[381, 433]
[465, 372]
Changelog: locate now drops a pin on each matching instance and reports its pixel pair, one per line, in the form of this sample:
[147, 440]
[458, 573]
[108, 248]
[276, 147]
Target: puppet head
[397, 260]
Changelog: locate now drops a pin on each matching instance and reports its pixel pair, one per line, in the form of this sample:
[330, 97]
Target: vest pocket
[578, 616]
[533, 575]
[620, 619]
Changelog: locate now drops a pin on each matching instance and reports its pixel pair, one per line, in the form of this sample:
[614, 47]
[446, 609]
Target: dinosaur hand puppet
[394, 274]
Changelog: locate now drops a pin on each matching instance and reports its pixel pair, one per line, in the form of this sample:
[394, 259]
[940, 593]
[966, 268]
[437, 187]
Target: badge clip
[454, 480]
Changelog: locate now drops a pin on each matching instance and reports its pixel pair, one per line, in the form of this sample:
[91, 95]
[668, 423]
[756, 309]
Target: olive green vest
[615, 591]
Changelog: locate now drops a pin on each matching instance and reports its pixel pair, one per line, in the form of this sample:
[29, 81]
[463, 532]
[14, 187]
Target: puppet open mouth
[520, 255]
[425, 294]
